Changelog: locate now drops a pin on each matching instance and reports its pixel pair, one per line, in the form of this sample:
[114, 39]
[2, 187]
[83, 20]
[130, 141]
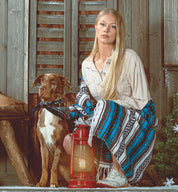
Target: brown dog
[51, 129]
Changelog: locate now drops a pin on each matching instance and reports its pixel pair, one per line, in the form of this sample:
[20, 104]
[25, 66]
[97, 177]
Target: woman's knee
[67, 143]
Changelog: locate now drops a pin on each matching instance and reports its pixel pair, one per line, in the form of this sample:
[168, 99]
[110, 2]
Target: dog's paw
[41, 184]
[52, 185]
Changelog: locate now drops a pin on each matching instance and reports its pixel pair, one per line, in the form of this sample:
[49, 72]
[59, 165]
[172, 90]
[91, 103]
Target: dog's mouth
[41, 90]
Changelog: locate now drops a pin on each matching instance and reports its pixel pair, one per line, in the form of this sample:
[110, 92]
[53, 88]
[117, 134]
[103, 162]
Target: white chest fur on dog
[45, 126]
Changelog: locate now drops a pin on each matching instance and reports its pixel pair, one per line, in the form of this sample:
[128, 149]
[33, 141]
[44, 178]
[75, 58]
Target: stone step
[126, 189]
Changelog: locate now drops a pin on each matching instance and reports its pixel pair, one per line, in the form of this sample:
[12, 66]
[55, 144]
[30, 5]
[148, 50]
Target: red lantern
[82, 160]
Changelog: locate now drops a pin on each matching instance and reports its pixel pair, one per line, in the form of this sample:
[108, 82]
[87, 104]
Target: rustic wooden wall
[14, 73]
[61, 46]
[38, 36]
[170, 49]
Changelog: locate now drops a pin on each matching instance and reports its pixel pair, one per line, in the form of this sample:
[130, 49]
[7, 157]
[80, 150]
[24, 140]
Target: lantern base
[82, 183]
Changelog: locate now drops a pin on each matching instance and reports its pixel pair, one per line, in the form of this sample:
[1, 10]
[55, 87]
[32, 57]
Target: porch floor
[173, 188]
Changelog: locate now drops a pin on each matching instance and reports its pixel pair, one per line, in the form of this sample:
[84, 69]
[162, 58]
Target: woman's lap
[127, 133]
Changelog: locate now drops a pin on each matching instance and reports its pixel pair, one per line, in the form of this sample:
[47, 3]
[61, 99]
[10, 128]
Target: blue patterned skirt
[127, 133]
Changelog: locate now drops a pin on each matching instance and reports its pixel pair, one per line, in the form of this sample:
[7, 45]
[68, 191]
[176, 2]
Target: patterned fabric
[83, 106]
[61, 102]
[127, 133]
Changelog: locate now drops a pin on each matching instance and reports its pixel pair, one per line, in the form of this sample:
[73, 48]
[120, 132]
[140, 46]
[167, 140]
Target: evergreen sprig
[166, 151]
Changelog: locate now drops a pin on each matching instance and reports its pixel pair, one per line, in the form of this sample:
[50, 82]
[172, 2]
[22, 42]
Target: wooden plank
[3, 159]
[9, 179]
[171, 32]
[32, 37]
[156, 58]
[112, 4]
[125, 9]
[50, 59]
[87, 32]
[50, 6]
[50, 46]
[42, 71]
[140, 28]
[26, 52]
[87, 19]
[75, 53]
[3, 46]
[171, 79]
[85, 46]
[50, 32]
[15, 50]
[67, 38]
[92, 5]
[50, 19]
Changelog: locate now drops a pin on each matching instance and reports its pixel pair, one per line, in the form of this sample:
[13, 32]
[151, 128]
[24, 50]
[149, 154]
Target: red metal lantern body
[82, 160]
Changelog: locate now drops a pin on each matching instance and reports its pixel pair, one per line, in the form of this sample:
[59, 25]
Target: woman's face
[106, 29]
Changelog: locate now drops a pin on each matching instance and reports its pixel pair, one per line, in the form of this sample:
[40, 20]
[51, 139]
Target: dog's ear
[67, 83]
[37, 80]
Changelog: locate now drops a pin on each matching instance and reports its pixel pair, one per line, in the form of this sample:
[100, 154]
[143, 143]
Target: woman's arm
[138, 94]
[83, 102]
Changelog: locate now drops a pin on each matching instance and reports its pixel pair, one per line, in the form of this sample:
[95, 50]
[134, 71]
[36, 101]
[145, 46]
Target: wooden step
[127, 189]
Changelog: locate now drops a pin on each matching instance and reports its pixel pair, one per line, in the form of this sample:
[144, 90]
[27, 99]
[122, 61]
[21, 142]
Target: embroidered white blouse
[132, 88]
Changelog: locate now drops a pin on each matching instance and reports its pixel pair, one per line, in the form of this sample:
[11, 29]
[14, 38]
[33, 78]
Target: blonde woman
[123, 119]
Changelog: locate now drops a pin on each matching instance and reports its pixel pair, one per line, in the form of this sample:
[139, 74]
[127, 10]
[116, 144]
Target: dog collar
[57, 103]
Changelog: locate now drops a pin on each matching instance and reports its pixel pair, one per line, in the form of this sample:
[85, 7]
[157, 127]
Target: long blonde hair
[111, 80]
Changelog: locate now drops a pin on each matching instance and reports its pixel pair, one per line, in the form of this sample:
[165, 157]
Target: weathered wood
[87, 19]
[125, 9]
[85, 46]
[87, 32]
[50, 19]
[50, 32]
[140, 29]
[112, 4]
[8, 138]
[32, 43]
[92, 5]
[3, 158]
[50, 59]
[49, 70]
[49, 46]
[9, 179]
[65, 189]
[50, 6]
[3, 46]
[15, 49]
[67, 39]
[156, 57]
[171, 79]
[171, 32]
[75, 54]
[26, 55]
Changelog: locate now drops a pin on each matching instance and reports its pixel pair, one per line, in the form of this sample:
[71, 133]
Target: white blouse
[132, 88]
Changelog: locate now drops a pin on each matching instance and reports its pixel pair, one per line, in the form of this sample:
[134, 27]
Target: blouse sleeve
[137, 81]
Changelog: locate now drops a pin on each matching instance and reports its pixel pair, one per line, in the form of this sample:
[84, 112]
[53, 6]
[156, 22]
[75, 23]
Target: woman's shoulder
[87, 61]
[130, 53]
[132, 60]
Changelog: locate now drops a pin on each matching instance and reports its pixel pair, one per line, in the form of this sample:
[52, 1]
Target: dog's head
[51, 86]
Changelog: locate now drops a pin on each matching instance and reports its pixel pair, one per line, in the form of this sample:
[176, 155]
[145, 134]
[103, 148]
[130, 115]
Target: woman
[124, 112]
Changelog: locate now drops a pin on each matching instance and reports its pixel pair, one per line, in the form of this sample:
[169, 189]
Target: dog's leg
[54, 169]
[45, 158]
[65, 172]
